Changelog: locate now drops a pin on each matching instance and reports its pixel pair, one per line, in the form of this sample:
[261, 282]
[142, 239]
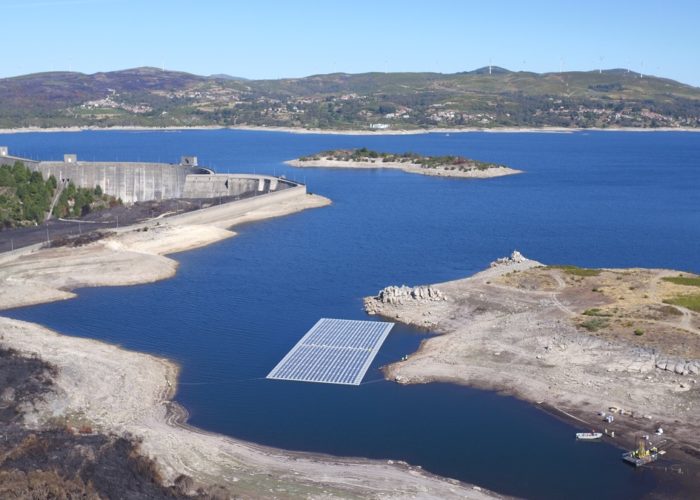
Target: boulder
[514, 258]
[403, 294]
[8, 395]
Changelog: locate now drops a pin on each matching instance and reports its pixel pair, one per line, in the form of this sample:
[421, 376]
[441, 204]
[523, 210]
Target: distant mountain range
[484, 98]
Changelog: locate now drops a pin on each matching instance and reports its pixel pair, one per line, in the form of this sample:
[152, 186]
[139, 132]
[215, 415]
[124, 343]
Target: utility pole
[48, 241]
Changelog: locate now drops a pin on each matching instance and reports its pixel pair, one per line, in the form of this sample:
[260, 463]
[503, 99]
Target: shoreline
[411, 168]
[125, 392]
[122, 392]
[352, 132]
[497, 331]
[134, 254]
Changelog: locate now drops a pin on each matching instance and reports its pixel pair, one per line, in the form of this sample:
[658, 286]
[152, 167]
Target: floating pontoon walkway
[334, 351]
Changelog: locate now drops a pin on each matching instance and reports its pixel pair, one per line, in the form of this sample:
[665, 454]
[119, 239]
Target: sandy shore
[129, 393]
[412, 168]
[516, 328]
[128, 256]
[293, 130]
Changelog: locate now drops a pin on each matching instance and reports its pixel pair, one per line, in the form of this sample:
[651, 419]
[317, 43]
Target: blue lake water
[235, 308]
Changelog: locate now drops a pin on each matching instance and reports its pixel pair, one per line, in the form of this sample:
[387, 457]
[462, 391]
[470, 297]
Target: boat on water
[588, 436]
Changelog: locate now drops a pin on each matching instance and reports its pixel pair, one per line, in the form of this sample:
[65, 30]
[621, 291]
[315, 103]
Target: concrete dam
[141, 181]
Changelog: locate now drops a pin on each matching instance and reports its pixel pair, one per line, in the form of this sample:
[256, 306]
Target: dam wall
[129, 181]
[142, 181]
[224, 185]
[7, 159]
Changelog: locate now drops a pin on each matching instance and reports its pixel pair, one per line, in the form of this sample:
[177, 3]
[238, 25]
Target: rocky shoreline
[526, 329]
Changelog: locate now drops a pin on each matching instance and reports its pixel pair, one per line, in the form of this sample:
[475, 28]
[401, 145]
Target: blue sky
[272, 39]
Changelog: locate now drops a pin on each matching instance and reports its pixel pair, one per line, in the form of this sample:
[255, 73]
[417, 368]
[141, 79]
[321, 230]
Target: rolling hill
[481, 98]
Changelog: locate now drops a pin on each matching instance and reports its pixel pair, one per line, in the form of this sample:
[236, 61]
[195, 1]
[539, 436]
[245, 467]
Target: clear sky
[272, 39]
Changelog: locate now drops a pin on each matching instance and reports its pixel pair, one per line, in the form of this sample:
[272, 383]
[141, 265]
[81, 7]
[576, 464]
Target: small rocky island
[445, 166]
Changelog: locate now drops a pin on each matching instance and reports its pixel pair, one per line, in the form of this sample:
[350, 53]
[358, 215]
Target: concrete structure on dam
[141, 181]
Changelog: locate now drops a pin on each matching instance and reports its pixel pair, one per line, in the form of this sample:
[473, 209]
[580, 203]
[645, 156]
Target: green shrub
[597, 312]
[595, 324]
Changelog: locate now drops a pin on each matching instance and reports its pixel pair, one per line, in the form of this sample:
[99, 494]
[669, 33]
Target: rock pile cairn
[515, 258]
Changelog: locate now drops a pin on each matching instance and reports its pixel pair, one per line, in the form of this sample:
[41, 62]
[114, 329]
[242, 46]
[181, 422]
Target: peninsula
[443, 166]
[583, 342]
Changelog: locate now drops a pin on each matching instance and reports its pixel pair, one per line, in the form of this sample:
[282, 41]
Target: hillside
[502, 98]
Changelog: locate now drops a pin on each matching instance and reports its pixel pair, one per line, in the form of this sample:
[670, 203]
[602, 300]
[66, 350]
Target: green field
[691, 302]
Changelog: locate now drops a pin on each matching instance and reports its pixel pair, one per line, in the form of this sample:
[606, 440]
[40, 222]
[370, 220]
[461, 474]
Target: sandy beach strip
[355, 132]
[411, 168]
[130, 255]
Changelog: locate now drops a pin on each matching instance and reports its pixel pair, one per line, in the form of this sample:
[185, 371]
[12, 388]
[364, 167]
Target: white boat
[588, 436]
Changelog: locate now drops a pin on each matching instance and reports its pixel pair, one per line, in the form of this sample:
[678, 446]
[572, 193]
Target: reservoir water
[235, 308]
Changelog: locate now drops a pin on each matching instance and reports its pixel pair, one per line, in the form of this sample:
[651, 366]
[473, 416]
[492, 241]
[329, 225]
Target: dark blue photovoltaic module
[334, 351]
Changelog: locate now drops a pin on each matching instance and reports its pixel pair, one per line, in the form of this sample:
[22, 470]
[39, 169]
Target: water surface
[236, 307]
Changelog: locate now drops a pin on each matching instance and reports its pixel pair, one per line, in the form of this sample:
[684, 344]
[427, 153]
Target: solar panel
[334, 351]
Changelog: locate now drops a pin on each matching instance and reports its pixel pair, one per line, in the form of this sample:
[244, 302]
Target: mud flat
[412, 168]
[578, 341]
[127, 394]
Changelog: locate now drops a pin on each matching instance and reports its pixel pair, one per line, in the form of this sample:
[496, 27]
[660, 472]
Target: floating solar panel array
[334, 351]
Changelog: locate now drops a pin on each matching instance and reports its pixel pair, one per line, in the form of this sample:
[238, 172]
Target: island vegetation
[446, 165]
[26, 197]
[447, 162]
